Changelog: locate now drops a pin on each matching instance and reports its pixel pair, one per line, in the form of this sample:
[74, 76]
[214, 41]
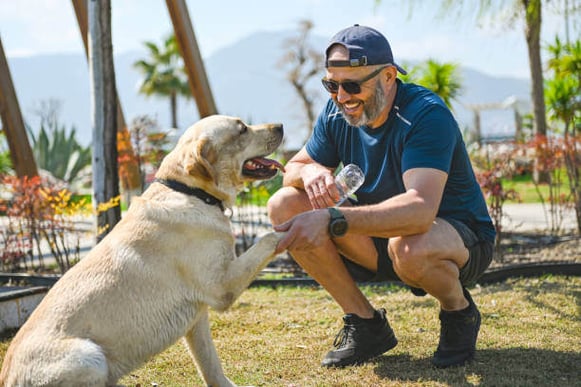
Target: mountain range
[247, 81]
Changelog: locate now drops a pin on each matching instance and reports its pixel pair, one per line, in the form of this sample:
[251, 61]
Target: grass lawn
[529, 193]
[530, 336]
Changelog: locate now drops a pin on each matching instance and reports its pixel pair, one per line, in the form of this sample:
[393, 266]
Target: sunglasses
[351, 87]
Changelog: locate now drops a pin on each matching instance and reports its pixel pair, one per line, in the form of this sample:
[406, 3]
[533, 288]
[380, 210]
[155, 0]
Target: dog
[151, 280]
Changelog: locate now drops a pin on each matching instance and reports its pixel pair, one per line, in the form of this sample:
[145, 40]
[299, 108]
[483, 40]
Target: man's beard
[371, 108]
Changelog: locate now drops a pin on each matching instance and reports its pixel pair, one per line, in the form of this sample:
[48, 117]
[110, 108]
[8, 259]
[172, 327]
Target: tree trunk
[518, 133]
[13, 124]
[477, 127]
[130, 174]
[174, 109]
[106, 197]
[533, 36]
[188, 46]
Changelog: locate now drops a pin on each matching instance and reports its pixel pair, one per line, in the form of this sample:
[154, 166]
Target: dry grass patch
[530, 336]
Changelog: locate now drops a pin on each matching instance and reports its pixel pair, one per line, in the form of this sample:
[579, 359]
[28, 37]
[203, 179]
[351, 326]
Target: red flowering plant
[552, 155]
[38, 217]
[493, 164]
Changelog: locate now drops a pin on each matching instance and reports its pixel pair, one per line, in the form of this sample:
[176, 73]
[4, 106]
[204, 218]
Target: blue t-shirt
[420, 132]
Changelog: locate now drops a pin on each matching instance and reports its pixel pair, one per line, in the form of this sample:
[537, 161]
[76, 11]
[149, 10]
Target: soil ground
[528, 248]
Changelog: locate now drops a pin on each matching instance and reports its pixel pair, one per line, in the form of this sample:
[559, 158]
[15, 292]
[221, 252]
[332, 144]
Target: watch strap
[336, 217]
[335, 213]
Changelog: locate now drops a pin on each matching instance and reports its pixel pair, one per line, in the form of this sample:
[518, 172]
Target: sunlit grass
[528, 192]
[530, 336]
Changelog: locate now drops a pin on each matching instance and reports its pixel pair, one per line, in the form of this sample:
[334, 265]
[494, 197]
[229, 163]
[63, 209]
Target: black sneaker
[360, 340]
[458, 334]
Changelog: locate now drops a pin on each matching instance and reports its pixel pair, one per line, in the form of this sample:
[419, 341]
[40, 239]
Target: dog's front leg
[202, 349]
[243, 270]
[246, 267]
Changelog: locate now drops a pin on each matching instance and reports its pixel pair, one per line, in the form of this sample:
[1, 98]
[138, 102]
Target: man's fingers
[284, 243]
[283, 226]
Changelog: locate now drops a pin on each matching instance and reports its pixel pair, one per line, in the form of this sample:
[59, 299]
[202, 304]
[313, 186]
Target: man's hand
[306, 231]
[320, 186]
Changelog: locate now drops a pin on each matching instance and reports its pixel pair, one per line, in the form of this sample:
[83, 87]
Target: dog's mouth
[261, 168]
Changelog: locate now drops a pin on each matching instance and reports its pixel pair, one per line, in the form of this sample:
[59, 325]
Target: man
[420, 216]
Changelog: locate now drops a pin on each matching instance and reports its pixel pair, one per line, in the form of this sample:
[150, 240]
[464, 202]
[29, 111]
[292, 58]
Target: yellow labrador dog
[151, 280]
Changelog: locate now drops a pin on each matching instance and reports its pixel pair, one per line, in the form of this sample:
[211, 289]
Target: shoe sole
[460, 363]
[360, 360]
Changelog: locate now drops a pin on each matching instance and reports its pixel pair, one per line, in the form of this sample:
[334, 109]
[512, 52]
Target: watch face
[339, 227]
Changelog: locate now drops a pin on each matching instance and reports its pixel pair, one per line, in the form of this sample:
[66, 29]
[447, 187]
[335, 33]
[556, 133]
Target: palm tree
[531, 11]
[164, 73]
[566, 59]
[442, 78]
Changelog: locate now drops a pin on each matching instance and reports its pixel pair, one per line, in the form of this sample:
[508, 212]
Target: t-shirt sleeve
[321, 146]
[431, 141]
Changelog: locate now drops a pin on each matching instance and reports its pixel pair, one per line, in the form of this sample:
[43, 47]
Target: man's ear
[200, 164]
[391, 74]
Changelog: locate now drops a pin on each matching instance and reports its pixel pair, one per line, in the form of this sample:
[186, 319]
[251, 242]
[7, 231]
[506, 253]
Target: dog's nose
[278, 128]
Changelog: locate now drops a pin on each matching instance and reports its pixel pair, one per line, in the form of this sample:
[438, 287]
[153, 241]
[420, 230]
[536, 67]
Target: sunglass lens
[330, 86]
[351, 87]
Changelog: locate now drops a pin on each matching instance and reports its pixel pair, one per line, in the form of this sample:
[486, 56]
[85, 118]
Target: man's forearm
[404, 214]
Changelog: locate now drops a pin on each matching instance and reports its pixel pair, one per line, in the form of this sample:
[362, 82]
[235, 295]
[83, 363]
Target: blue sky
[31, 27]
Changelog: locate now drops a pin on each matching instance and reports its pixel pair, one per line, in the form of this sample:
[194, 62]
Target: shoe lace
[345, 336]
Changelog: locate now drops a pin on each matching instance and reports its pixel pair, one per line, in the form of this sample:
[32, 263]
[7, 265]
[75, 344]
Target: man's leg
[366, 332]
[323, 264]
[432, 261]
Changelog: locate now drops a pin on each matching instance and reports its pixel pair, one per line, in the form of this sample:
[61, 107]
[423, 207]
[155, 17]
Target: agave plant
[58, 152]
[5, 162]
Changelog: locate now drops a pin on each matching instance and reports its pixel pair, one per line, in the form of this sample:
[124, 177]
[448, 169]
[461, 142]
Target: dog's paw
[271, 238]
[269, 241]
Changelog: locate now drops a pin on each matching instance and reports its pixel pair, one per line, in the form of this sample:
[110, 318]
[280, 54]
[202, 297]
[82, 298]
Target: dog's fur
[151, 280]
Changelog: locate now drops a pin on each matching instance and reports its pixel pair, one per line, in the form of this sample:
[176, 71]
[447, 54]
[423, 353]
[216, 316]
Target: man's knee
[286, 203]
[409, 256]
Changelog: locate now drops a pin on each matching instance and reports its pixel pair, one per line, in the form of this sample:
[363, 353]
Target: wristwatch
[337, 224]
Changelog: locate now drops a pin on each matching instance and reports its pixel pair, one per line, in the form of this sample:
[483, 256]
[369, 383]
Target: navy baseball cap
[366, 47]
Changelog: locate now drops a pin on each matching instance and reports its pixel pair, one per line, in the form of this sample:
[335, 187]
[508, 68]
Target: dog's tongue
[268, 163]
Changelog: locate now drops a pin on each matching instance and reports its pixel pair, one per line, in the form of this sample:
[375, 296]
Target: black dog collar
[197, 192]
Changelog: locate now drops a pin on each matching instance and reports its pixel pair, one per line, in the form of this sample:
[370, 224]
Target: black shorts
[479, 257]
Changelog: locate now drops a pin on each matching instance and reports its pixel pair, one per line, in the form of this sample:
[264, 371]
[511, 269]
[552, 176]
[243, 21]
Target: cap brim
[401, 70]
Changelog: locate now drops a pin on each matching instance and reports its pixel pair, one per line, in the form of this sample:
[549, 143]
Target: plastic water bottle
[348, 180]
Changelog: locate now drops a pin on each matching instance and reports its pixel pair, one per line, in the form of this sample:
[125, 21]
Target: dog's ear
[201, 162]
